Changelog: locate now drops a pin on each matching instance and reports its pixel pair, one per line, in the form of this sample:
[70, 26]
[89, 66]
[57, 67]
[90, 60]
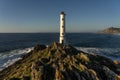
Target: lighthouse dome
[62, 13]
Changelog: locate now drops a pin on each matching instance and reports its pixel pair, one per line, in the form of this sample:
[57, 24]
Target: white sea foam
[10, 62]
[10, 57]
[113, 53]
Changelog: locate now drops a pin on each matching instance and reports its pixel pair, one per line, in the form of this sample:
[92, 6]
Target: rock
[118, 77]
[93, 74]
[109, 73]
[61, 62]
[115, 62]
[14, 78]
[39, 47]
[26, 78]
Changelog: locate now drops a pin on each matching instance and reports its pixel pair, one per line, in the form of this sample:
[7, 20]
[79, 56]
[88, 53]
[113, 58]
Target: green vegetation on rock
[61, 62]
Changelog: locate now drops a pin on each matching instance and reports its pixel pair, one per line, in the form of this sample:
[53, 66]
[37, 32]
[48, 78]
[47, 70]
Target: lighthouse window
[62, 26]
[62, 18]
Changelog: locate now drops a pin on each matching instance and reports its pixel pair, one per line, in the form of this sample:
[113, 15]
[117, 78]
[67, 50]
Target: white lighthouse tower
[62, 28]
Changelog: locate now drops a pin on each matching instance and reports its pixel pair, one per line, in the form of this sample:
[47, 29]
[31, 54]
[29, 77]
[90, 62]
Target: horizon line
[56, 32]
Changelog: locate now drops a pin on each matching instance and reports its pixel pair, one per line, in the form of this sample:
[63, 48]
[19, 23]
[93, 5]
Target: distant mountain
[61, 62]
[111, 30]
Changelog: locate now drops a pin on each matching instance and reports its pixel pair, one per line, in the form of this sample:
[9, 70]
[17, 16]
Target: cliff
[111, 30]
[61, 62]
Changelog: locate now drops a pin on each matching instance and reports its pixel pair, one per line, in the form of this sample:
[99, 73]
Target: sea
[14, 45]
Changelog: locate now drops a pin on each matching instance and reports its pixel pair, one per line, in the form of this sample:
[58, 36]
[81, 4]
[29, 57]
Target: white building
[62, 28]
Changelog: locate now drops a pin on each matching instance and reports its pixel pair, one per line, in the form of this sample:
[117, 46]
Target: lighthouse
[62, 28]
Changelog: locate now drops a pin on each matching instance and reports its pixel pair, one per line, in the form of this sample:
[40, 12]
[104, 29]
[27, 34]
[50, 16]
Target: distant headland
[111, 30]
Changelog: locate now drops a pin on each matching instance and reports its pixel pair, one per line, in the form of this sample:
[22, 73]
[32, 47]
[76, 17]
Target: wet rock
[109, 73]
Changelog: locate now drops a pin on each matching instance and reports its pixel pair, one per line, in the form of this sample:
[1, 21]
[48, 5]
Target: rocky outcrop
[39, 47]
[61, 62]
[111, 30]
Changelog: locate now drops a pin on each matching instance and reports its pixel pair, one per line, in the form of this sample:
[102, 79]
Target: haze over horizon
[43, 15]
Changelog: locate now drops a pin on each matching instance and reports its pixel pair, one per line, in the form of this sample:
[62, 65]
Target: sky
[28, 16]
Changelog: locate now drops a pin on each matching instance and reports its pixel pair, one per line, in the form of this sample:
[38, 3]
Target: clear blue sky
[43, 15]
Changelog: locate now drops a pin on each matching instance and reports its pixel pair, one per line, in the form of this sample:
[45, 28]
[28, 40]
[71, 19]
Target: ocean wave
[112, 53]
[9, 57]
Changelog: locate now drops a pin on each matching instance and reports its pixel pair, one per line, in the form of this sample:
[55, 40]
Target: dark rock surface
[61, 62]
[39, 47]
